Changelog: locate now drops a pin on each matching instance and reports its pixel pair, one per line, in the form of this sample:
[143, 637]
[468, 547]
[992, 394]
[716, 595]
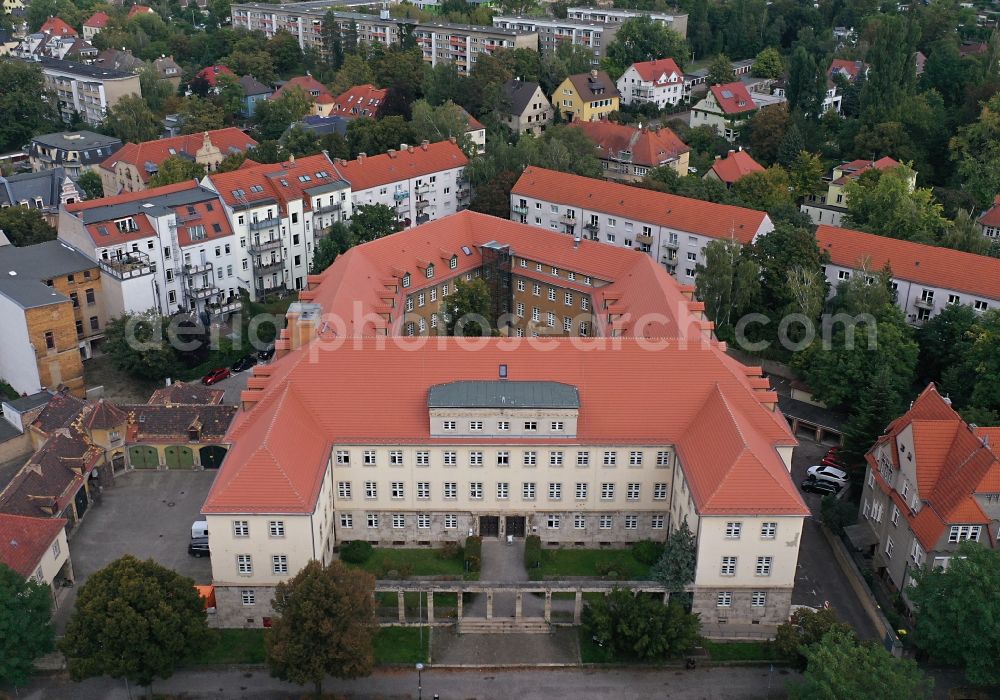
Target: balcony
[593, 227]
[423, 218]
[400, 196]
[517, 209]
[924, 303]
[202, 292]
[335, 206]
[644, 239]
[422, 204]
[568, 220]
[464, 193]
[127, 267]
[199, 269]
[264, 266]
[402, 208]
[670, 245]
[422, 189]
[228, 307]
[258, 247]
[264, 223]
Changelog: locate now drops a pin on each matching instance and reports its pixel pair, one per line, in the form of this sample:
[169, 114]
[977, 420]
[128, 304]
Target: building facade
[830, 207]
[586, 97]
[594, 36]
[677, 22]
[628, 153]
[85, 90]
[530, 110]
[659, 82]
[45, 191]
[36, 548]
[74, 151]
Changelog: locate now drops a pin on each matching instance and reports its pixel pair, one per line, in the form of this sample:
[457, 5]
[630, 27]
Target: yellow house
[830, 208]
[586, 96]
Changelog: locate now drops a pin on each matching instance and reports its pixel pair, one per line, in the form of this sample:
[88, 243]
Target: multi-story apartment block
[932, 482]
[86, 91]
[530, 110]
[74, 151]
[673, 230]
[170, 249]
[277, 211]
[925, 278]
[52, 312]
[552, 31]
[131, 167]
[831, 206]
[628, 153]
[608, 15]
[419, 183]
[510, 439]
[660, 82]
[460, 44]
[586, 97]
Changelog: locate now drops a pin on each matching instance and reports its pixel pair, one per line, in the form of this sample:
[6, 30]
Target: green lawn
[597, 563]
[742, 651]
[401, 645]
[590, 653]
[412, 562]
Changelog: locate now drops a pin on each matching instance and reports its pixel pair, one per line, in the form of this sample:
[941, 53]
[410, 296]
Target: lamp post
[420, 687]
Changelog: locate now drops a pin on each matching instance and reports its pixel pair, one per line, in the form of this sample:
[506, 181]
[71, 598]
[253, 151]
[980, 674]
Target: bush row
[473, 553]
[532, 552]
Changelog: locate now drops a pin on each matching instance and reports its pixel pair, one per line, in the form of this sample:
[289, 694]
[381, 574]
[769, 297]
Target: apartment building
[628, 153]
[460, 44]
[420, 183]
[552, 31]
[677, 22]
[660, 82]
[52, 312]
[170, 249]
[932, 482]
[74, 151]
[85, 90]
[130, 168]
[830, 207]
[277, 212]
[511, 439]
[926, 278]
[672, 230]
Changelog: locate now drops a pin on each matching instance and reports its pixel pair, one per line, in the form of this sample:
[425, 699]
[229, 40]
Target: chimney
[576, 240]
[409, 149]
[291, 159]
[361, 157]
[424, 144]
[403, 146]
[593, 73]
[391, 152]
[450, 138]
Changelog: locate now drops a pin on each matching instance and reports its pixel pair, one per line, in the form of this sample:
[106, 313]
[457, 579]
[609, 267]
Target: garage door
[143, 457]
[211, 456]
[178, 457]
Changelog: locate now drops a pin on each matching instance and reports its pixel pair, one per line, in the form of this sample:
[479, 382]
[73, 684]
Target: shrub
[532, 552]
[449, 550]
[473, 553]
[647, 551]
[356, 552]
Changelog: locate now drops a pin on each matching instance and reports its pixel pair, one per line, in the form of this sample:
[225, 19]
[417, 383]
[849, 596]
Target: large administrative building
[604, 413]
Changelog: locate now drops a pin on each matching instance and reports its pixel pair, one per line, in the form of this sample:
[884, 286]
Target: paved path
[502, 563]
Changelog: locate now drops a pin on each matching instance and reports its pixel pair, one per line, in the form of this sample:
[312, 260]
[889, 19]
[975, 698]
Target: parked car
[820, 486]
[821, 471]
[199, 528]
[832, 459]
[216, 375]
[199, 547]
[265, 354]
[244, 363]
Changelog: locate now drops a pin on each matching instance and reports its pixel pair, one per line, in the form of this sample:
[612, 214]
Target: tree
[25, 619]
[675, 570]
[470, 311]
[632, 626]
[493, 196]
[767, 190]
[779, 255]
[154, 90]
[805, 175]
[90, 183]
[25, 226]
[136, 620]
[791, 145]
[131, 120]
[232, 162]
[24, 112]
[283, 48]
[568, 59]
[957, 609]
[273, 117]
[337, 240]
[176, 169]
[354, 71]
[963, 233]
[805, 628]
[201, 115]
[945, 342]
[444, 83]
[720, 70]
[878, 406]
[891, 77]
[642, 39]
[766, 132]
[839, 667]
[885, 203]
[728, 283]
[768, 64]
[374, 137]
[333, 45]
[370, 222]
[806, 83]
[981, 363]
[255, 63]
[976, 150]
[441, 123]
[325, 625]
[136, 345]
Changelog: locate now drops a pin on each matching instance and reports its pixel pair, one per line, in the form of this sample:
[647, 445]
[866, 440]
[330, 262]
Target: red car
[833, 459]
[216, 375]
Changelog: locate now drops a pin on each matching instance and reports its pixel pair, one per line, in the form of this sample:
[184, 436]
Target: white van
[199, 528]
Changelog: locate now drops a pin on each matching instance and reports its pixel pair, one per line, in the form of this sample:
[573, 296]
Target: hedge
[532, 552]
[473, 553]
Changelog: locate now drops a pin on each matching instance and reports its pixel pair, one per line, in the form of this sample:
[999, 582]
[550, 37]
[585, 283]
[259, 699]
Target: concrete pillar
[430, 606]
[819, 434]
[666, 597]
[517, 606]
[401, 602]
[578, 608]
[458, 606]
[548, 605]
[489, 605]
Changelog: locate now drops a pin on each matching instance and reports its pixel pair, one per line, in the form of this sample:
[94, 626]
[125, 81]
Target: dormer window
[406, 280]
[453, 263]
[429, 271]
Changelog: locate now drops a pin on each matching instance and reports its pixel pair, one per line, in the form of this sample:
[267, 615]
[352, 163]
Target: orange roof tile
[733, 98]
[648, 147]
[98, 20]
[669, 210]
[735, 166]
[360, 101]
[278, 182]
[991, 217]
[25, 540]
[855, 168]
[852, 69]
[663, 71]
[308, 84]
[915, 262]
[140, 9]
[415, 161]
[227, 140]
[55, 26]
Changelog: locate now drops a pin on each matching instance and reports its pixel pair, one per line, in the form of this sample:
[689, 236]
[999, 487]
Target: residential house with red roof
[512, 438]
[130, 168]
[989, 221]
[849, 70]
[926, 278]
[660, 82]
[277, 212]
[671, 229]
[140, 9]
[736, 165]
[628, 153]
[727, 108]
[94, 24]
[421, 183]
[36, 548]
[210, 74]
[170, 249]
[932, 483]
[55, 26]
[359, 101]
[831, 206]
[323, 101]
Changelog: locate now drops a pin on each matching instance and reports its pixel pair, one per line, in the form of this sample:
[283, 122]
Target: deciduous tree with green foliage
[372, 221]
[176, 169]
[131, 120]
[643, 39]
[976, 151]
[90, 183]
[806, 83]
[24, 111]
[24, 226]
[325, 625]
[469, 310]
[136, 620]
[638, 627]
[25, 625]
[728, 282]
[375, 137]
[137, 345]
[805, 175]
[720, 70]
[201, 115]
[805, 628]
[441, 123]
[766, 131]
[945, 342]
[336, 241]
[768, 64]
[767, 190]
[885, 203]
[273, 117]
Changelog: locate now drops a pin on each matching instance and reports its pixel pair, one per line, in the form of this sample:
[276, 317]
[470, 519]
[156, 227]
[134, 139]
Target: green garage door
[178, 457]
[211, 456]
[143, 457]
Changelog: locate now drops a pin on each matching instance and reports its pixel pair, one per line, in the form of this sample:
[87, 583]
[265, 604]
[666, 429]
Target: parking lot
[147, 514]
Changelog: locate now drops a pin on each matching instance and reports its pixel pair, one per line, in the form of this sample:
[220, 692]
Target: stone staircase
[503, 625]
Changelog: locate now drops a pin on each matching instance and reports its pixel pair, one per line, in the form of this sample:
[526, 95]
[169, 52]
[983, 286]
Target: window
[90, 297]
[530, 458]
[579, 522]
[632, 491]
[372, 521]
[657, 522]
[733, 530]
[423, 521]
[635, 458]
[536, 315]
[724, 599]
[371, 489]
[536, 289]
[423, 458]
[605, 522]
[503, 490]
[979, 305]
[450, 458]
[398, 521]
[585, 303]
[557, 425]
[475, 425]
[659, 492]
[768, 530]
[582, 459]
[448, 425]
[56, 548]
[279, 564]
[530, 425]
[476, 490]
[50, 340]
[552, 522]
[276, 528]
[758, 599]
[423, 490]
[555, 491]
[503, 458]
[889, 546]
[346, 520]
[581, 491]
[631, 522]
[397, 489]
[244, 565]
[247, 596]
[450, 489]
[607, 491]
[369, 458]
[343, 457]
[728, 566]
[241, 528]
[960, 533]
[610, 459]
[555, 459]
[894, 517]
[763, 566]
[528, 490]
[450, 521]
[503, 425]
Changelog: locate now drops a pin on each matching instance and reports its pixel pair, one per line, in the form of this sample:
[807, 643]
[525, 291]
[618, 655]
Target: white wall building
[660, 82]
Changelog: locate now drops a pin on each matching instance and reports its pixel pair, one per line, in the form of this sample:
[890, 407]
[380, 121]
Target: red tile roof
[855, 168]
[647, 147]
[54, 26]
[309, 84]
[735, 166]
[669, 210]
[663, 71]
[228, 140]
[991, 217]
[916, 262]
[733, 98]
[25, 540]
[98, 20]
[186, 393]
[211, 73]
[359, 101]
[415, 161]
[278, 182]
[852, 69]
[140, 9]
